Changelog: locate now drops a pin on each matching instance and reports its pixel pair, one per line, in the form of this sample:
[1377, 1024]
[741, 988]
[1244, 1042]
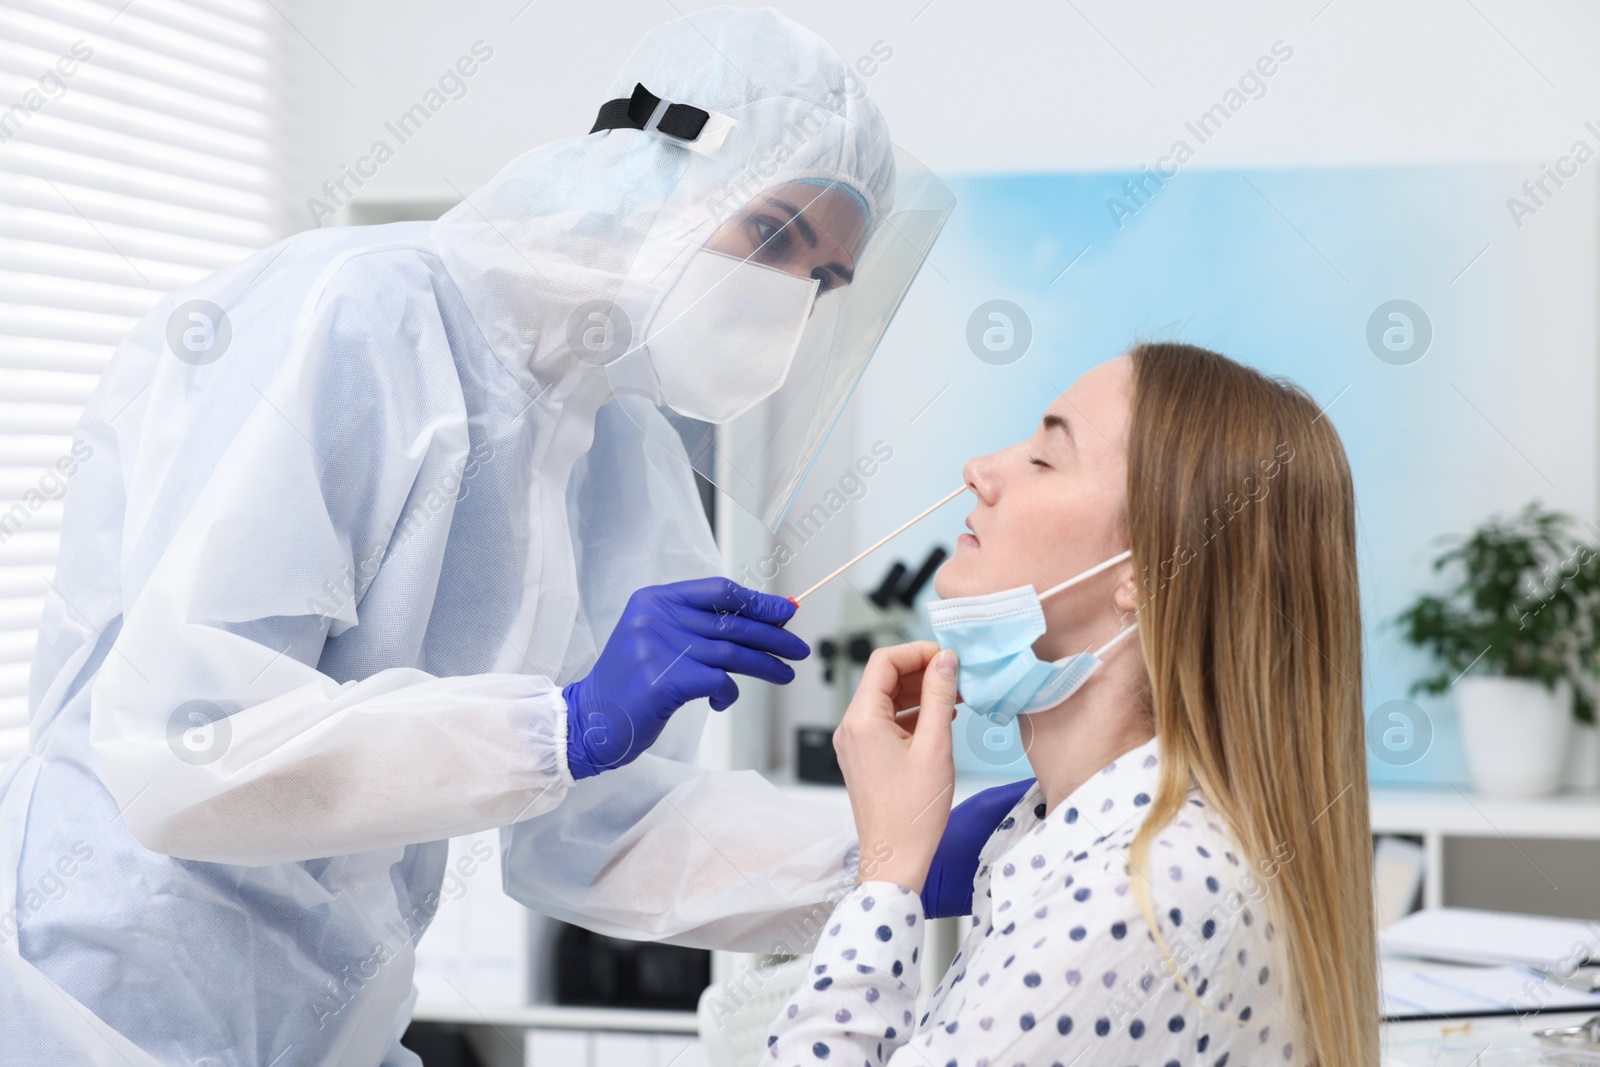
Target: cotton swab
[864, 553]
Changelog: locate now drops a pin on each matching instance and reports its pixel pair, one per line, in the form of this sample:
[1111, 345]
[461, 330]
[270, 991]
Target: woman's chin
[953, 579]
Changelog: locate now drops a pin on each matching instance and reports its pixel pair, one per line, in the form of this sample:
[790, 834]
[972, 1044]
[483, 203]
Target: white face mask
[725, 335]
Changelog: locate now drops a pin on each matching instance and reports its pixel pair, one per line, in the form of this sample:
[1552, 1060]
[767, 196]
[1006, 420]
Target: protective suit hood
[616, 216]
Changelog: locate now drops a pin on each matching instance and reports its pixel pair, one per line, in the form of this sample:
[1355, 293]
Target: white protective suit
[317, 597]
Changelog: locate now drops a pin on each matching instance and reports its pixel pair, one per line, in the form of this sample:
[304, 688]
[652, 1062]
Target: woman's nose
[979, 473]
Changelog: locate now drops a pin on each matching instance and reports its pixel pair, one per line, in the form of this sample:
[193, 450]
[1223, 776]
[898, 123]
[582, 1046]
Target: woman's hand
[900, 771]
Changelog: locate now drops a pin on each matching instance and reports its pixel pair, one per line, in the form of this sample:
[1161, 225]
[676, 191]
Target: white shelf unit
[1437, 815]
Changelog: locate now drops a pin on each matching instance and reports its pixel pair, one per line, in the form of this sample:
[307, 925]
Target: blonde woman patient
[1188, 879]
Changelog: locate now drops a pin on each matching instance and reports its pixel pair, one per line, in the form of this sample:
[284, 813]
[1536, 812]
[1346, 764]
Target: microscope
[885, 616]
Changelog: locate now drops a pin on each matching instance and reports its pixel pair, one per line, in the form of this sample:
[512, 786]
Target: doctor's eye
[771, 236]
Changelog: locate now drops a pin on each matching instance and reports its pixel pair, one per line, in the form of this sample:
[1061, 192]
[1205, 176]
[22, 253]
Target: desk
[1408, 1044]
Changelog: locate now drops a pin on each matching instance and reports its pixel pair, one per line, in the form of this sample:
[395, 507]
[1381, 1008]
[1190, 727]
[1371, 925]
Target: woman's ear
[1126, 595]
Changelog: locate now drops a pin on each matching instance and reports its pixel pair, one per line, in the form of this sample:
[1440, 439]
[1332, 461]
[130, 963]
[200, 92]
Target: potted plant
[1510, 636]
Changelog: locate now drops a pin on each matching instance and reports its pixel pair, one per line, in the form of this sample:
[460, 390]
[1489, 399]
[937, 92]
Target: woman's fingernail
[946, 663]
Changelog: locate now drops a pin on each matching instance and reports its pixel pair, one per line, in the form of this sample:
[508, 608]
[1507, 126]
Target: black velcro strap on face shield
[678, 120]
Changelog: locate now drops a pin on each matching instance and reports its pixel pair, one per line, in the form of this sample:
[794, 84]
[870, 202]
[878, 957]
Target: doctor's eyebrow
[810, 236]
[798, 219]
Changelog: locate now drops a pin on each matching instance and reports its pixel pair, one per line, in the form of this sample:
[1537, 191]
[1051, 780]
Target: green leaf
[1523, 601]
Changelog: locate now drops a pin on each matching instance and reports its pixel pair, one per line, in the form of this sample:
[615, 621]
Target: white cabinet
[1499, 844]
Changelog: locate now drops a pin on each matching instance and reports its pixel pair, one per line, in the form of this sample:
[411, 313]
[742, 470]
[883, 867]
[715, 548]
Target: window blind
[137, 148]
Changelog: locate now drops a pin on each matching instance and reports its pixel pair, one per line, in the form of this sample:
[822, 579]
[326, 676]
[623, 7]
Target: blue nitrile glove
[674, 643]
[947, 890]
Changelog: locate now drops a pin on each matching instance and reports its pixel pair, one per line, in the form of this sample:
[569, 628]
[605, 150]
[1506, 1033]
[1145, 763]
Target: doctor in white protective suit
[391, 534]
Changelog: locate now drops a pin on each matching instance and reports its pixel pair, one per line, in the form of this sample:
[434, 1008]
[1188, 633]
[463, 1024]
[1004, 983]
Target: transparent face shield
[757, 346]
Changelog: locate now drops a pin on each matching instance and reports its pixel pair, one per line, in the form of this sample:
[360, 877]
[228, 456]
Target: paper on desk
[1419, 992]
[1466, 935]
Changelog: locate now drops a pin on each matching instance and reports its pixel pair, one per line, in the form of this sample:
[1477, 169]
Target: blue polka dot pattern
[1071, 946]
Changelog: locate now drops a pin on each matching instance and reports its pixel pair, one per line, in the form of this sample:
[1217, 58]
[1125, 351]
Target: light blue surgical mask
[993, 635]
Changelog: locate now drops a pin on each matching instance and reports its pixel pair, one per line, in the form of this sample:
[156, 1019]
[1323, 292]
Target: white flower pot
[1516, 734]
[1583, 763]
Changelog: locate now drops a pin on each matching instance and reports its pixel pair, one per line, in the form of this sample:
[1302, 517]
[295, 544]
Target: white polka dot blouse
[1059, 966]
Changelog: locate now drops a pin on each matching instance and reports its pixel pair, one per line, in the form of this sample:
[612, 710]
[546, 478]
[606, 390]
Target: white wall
[984, 85]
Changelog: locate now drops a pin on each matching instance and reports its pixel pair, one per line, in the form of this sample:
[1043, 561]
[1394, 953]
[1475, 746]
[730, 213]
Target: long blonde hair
[1241, 516]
